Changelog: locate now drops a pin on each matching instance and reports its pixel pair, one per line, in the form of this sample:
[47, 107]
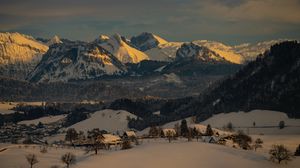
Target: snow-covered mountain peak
[19, 54]
[224, 50]
[146, 41]
[54, 40]
[197, 52]
[119, 47]
[102, 38]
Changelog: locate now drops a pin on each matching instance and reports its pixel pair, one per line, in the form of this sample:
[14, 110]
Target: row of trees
[182, 130]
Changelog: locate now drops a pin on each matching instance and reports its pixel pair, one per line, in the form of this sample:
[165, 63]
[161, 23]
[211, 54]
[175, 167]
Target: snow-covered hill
[19, 54]
[266, 122]
[109, 120]
[119, 47]
[74, 61]
[156, 153]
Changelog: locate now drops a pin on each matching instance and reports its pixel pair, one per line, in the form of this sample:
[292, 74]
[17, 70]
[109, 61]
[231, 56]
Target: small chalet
[109, 139]
[168, 132]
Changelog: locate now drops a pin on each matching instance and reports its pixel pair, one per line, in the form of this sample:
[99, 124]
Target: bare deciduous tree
[280, 153]
[68, 159]
[31, 159]
[257, 143]
[169, 135]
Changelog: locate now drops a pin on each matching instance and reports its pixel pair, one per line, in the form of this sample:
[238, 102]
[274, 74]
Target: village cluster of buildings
[17, 133]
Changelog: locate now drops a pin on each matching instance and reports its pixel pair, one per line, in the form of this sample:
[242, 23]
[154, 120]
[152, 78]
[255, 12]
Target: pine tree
[297, 153]
[281, 124]
[209, 131]
[184, 128]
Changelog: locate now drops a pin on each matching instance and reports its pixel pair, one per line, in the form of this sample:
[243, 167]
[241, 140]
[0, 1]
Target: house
[109, 139]
[129, 134]
[168, 132]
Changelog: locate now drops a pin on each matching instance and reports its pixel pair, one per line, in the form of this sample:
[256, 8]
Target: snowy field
[158, 153]
[5, 107]
[14, 157]
[266, 122]
[44, 120]
[110, 120]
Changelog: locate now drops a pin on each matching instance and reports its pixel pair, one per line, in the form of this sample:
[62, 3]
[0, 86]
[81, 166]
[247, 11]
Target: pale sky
[228, 21]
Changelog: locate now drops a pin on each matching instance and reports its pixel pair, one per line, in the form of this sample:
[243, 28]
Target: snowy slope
[180, 154]
[19, 54]
[225, 51]
[44, 120]
[262, 118]
[164, 52]
[156, 153]
[109, 120]
[123, 51]
[15, 157]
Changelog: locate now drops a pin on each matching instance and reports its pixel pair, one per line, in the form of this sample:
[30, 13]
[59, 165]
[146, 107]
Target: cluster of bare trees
[67, 158]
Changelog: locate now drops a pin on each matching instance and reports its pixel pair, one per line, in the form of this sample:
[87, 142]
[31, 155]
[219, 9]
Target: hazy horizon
[228, 21]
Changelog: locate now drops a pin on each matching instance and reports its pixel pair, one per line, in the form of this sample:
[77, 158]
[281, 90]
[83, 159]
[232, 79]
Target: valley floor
[158, 153]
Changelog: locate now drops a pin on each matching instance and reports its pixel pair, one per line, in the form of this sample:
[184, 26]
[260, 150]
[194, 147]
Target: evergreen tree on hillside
[184, 128]
[297, 153]
[209, 131]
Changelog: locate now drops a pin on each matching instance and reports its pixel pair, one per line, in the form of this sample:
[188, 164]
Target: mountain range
[52, 60]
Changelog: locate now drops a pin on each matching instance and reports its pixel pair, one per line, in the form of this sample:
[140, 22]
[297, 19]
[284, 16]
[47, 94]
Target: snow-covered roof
[210, 139]
[130, 133]
[109, 138]
[171, 130]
